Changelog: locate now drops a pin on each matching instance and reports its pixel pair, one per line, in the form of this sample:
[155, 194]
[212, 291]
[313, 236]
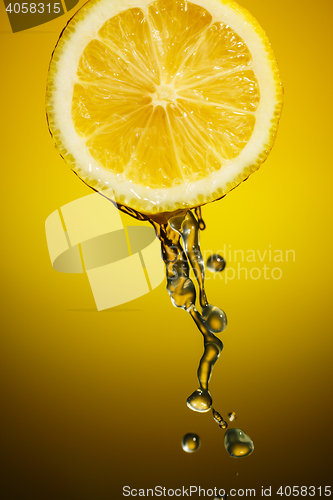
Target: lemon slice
[169, 103]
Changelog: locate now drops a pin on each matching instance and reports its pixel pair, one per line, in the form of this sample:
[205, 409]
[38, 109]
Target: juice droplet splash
[201, 222]
[232, 416]
[237, 443]
[178, 258]
[191, 442]
[215, 263]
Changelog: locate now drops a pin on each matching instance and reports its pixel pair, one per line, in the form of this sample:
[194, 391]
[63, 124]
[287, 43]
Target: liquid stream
[211, 320]
[179, 236]
[232, 416]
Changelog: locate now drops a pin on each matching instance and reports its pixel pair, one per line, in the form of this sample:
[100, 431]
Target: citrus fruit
[169, 103]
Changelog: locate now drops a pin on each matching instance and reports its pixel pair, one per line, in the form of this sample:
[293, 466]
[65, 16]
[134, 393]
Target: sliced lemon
[169, 103]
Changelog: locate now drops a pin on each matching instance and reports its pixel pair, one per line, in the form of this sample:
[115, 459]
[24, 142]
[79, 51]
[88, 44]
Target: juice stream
[211, 320]
[172, 230]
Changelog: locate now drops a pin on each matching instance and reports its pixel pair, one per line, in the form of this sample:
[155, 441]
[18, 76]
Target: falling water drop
[237, 443]
[191, 442]
[232, 416]
[201, 222]
[215, 318]
[215, 263]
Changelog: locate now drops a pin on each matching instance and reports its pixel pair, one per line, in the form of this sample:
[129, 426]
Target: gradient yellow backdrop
[92, 401]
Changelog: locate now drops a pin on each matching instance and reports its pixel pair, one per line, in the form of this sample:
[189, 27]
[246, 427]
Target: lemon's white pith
[169, 103]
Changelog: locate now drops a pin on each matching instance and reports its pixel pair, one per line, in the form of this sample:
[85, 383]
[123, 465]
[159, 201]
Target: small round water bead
[215, 263]
[215, 318]
[219, 419]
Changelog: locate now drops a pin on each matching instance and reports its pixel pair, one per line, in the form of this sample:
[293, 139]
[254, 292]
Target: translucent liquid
[200, 220]
[215, 263]
[232, 416]
[191, 443]
[178, 259]
[219, 419]
[237, 443]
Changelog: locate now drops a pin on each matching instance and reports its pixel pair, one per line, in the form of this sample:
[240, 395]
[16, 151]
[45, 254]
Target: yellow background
[92, 401]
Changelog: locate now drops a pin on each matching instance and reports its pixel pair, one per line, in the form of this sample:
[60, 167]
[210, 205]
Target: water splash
[215, 263]
[178, 258]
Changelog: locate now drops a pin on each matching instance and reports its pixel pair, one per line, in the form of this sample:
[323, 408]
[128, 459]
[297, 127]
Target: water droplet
[217, 416]
[224, 497]
[237, 443]
[200, 401]
[215, 318]
[180, 250]
[215, 263]
[219, 419]
[191, 442]
[232, 416]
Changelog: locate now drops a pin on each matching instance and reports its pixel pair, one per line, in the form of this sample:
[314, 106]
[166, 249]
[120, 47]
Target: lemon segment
[177, 28]
[169, 103]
